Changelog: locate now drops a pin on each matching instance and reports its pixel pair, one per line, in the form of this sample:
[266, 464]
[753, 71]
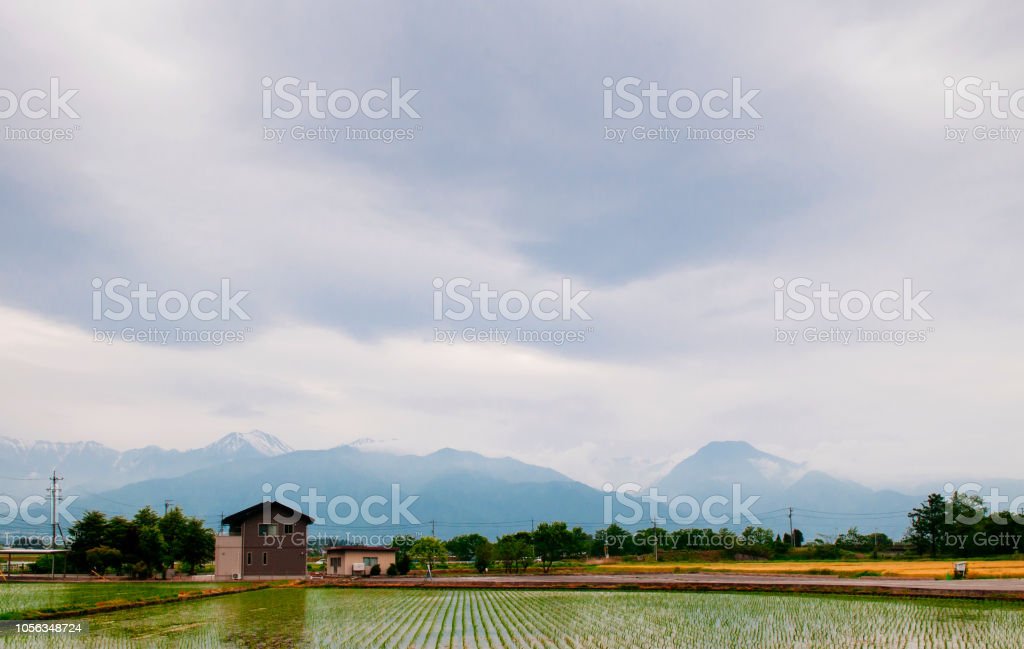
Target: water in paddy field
[328, 617]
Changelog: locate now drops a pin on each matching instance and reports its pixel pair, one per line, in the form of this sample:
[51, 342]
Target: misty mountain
[457, 490]
[821, 504]
[451, 488]
[89, 466]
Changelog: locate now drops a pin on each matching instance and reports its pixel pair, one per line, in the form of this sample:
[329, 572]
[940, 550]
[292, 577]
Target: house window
[248, 558]
[267, 529]
[335, 562]
[264, 558]
[288, 529]
[369, 562]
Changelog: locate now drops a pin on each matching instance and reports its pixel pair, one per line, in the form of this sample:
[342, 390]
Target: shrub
[375, 570]
[392, 571]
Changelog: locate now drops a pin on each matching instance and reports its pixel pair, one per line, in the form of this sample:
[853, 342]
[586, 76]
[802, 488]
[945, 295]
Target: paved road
[973, 588]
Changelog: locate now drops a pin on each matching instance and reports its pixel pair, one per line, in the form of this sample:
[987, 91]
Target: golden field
[937, 569]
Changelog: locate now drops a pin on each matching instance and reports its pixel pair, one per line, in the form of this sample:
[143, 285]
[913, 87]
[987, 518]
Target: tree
[927, 527]
[152, 550]
[484, 556]
[172, 526]
[580, 543]
[515, 551]
[552, 542]
[428, 551]
[612, 541]
[196, 544]
[758, 537]
[87, 533]
[100, 558]
[464, 546]
[122, 534]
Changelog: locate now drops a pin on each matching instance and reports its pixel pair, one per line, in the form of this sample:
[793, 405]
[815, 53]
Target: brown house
[265, 541]
[357, 559]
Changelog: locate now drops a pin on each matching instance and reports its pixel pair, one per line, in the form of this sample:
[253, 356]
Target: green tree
[101, 558]
[402, 543]
[172, 527]
[196, 544]
[612, 541]
[758, 537]
[464, 546]
[88, 532]
[515, 551]
[552, 542]
[928, 525]
[122, 534]
[152, 551]
[484, 556]
[429, 551]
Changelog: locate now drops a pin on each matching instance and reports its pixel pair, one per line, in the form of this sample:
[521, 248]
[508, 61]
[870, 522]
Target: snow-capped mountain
[255, 441]
[93, 467]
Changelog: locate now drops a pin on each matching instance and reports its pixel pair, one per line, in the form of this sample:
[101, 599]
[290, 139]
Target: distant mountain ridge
[96, 467]
[455, 488]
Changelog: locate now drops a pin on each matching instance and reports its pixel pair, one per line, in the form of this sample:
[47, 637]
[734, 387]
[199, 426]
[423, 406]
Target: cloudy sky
[511, 174]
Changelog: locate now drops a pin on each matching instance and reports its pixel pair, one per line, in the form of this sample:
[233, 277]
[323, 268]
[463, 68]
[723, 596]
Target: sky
[512, 174]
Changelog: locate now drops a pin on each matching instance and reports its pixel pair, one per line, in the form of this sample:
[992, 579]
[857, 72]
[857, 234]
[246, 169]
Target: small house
[347, 560]
[265, 541]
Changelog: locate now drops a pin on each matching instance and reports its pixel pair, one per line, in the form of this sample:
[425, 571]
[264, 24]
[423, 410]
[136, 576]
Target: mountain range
[452, 491]
[94, 467]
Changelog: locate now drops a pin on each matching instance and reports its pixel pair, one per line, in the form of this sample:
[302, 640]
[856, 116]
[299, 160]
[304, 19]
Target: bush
[375, 570]
[392, 571]
[403, 564]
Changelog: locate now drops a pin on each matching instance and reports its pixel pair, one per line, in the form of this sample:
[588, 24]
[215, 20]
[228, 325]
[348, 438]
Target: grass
[34, 600]
[401, 619]
[926, 569]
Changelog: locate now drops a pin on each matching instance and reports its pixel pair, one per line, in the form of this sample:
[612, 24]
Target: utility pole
[433, 530]
[792, 535]
[54, 495]
[531, 526]
[654, 520]
[167, 505]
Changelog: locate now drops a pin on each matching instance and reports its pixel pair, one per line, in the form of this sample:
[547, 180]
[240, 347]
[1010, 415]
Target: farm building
[265, 541]
[357, 559]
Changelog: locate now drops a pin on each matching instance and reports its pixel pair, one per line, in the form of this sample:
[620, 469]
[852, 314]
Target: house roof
[374, 548]
[257, 509]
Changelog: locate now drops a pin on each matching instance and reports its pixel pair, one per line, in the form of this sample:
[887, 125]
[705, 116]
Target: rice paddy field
[337, 617]
[18, 600]
[905, 569]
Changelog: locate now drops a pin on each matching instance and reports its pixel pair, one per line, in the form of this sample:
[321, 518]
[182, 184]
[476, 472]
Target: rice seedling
[467, 619]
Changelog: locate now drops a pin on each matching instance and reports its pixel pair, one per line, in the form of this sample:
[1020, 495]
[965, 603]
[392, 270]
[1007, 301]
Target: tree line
[962, 526]
[141, 546]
